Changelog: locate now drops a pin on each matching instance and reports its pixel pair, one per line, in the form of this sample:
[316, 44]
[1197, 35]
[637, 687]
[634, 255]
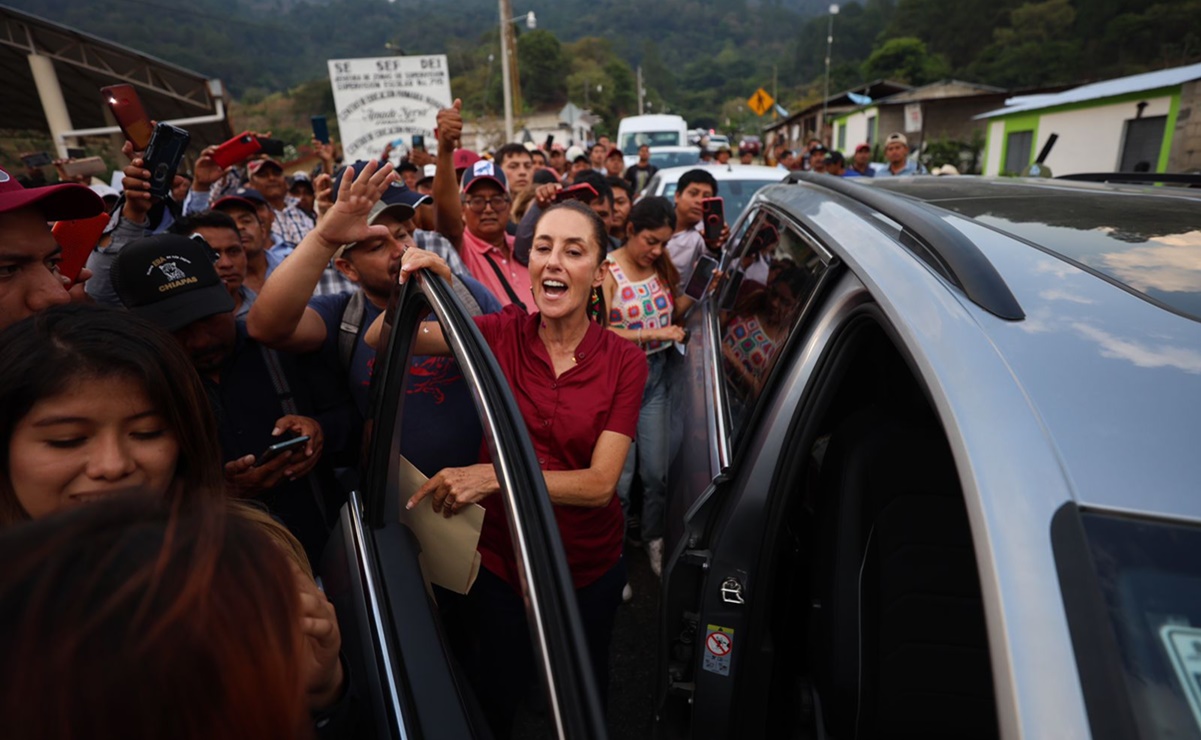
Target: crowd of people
[816, 157]
[203, 385]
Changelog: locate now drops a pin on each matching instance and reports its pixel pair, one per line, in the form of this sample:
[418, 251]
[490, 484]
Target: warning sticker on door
[1184, 647]
[719, 644]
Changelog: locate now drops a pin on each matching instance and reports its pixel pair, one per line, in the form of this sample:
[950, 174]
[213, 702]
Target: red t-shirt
[565, 417]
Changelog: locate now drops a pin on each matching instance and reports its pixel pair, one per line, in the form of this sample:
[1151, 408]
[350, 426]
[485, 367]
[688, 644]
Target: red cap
[614, 152]
[862, 147]
[65, 202]
[464, 158]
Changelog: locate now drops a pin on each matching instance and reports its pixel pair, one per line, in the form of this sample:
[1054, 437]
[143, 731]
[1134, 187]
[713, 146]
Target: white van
[657, 130]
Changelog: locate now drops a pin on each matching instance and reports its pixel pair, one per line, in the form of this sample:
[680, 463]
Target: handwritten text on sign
[387, 99]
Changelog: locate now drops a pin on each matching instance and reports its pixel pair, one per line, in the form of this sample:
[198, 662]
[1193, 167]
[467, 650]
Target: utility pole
[775, 91]
[641, 90]
[821, 133]
[506, 14]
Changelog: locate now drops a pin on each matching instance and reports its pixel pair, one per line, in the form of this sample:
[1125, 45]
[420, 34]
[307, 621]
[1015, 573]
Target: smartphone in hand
[127, 108]
[714, 218]
[36, 159]
[701, 276]
[86, 167]
[419, 142]
[77, 238]
[320, 129]
[282, 448]
[163, 155]
[238, 149]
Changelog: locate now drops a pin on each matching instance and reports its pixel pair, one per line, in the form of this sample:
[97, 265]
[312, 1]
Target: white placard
[913, 118]
[388, 98]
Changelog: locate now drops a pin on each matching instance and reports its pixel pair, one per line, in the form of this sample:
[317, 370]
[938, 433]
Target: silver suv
[938, 469]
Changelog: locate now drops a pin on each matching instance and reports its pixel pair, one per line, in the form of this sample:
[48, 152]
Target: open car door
[406, 679]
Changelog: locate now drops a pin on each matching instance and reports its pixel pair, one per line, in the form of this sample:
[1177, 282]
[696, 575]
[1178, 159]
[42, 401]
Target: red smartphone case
[714, 217]
[127, 108]
[238, 149]
[78, 238]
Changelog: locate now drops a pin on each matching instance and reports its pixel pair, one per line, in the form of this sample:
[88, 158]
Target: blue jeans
[652, 448]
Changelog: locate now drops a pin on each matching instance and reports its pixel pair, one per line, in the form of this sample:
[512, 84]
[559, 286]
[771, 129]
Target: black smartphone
[698, 283]
[76, 152]
[163, 155]
[714, 218]
[271, 147]
[419, 141]
[36, 159]
[281, 448]
[320, 129]
[550, 140]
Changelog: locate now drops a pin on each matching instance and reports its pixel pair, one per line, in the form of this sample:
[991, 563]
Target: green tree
[543, 68]
[905, 60]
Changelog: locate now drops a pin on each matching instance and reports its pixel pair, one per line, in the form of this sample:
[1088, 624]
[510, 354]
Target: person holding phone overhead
[579, 388]
[642, 291]
[689, 242]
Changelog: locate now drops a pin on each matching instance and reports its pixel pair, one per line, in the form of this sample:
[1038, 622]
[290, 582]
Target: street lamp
[506, 67]
[826, 96]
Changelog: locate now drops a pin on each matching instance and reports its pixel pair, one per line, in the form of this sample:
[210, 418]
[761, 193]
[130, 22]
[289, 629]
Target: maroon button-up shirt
[565, 417]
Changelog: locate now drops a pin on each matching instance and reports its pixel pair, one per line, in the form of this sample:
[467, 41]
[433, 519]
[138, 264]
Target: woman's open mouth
[554, 288]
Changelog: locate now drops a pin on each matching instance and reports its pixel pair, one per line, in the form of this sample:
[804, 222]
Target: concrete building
[570, 125]
[800, 127]
[1142, 123]
[941, 110]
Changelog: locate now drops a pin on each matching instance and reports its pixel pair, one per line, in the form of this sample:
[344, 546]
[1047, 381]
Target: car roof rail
[1192, 179]
[937, 243]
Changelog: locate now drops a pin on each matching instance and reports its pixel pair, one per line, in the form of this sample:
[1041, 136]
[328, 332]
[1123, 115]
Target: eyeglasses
[479, 203]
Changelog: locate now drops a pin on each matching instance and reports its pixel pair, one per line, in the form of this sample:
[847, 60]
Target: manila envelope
[449, 547]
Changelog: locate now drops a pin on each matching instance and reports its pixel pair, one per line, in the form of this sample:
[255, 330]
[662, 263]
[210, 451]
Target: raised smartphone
[238, 149]
[86, 167]
[702, 274]
[127, 108]
[163, 155]
[320, 129]
[714, 218]
[583, 191]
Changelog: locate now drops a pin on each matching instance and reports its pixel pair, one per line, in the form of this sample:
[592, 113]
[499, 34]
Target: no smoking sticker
[719, 644]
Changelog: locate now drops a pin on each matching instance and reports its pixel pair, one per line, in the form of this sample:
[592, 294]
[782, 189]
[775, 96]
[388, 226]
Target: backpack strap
[351, 328]
[505, 283]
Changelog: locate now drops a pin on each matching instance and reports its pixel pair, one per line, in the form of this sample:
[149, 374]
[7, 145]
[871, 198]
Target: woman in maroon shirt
[579, 388]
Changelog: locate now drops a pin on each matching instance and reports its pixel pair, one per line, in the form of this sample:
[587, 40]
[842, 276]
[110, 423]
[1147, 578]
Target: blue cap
[242, 196]
[398, 192]
[481, 171]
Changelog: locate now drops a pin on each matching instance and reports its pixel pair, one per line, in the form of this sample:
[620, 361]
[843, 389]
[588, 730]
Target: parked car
[663, 157]
[936, 477]
[937, 469]
[750, 144]
[735, 183]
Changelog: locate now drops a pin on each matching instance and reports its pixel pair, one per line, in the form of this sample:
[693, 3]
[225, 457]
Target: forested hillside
[701, 58]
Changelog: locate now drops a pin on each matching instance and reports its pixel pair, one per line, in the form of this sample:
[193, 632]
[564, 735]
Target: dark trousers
[501, 659]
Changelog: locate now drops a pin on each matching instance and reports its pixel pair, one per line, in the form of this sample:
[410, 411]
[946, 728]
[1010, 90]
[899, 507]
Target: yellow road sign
[760, 102]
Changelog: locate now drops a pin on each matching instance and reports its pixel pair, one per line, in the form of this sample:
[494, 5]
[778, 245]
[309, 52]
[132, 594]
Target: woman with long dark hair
[642, 290]
[137, 618]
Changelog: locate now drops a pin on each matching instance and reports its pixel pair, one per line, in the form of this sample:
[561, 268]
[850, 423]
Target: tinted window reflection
[779, 271]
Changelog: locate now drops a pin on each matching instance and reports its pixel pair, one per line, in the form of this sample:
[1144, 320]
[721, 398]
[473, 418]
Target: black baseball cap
[170, 280]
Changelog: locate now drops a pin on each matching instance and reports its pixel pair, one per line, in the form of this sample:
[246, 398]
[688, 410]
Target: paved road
[633, 661]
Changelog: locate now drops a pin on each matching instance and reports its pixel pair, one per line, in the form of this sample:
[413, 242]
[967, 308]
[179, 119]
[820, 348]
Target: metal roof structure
[1099, 90]
[83, 64]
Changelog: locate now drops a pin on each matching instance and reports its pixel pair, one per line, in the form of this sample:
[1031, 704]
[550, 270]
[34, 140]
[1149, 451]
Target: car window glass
[773, 277]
